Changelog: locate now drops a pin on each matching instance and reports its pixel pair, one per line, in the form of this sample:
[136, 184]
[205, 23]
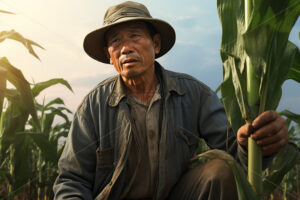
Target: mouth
[128, 61]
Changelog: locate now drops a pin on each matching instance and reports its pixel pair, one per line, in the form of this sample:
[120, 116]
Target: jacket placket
[124, 139]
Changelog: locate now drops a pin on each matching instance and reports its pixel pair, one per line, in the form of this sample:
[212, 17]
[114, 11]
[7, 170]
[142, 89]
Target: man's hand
[268, 130]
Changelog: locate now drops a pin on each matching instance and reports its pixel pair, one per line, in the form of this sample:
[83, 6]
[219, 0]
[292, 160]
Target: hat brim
[94, 42]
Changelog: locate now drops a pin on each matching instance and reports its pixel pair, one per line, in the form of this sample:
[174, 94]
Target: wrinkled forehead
[126, 26]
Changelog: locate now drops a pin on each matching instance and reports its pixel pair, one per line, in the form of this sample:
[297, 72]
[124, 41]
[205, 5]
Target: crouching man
[135, 133]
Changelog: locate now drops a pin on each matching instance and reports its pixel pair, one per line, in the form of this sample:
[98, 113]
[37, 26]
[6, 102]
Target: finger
[245, 131]
[271, 149]
[272, 139]
[243, 134]
[243, 142]
[269, 129]
[265, 118]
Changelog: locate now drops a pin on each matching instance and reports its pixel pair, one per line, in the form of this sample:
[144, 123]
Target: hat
[94, 42]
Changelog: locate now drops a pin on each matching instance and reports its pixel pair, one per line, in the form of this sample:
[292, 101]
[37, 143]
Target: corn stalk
[257, 58]
[254, 151]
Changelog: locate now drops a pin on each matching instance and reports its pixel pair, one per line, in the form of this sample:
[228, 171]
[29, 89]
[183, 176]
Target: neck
[142, 87]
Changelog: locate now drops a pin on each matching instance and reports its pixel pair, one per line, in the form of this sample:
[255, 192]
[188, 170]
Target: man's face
[131, 49]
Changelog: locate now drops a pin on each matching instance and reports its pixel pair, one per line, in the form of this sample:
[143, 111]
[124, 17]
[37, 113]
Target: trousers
[212, 180]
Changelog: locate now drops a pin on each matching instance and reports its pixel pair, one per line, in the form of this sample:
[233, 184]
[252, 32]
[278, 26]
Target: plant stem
[254, 151]
[255, 166]
[2, 87]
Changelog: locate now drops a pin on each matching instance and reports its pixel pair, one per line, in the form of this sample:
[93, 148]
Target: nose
[126, 46]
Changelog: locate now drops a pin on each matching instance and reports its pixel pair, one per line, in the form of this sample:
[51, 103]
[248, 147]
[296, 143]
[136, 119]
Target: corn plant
[257, 58]
[48, 146]
[22, 148]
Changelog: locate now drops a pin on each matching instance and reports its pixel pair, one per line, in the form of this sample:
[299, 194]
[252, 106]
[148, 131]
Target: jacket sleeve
[216, 130]
[77, 163]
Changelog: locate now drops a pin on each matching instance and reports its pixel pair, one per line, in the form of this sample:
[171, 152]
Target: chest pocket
[105, 159]
[104, 169]
[187, 140]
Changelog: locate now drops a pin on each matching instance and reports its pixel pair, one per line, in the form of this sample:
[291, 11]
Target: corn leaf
[54, 101]
[293, 116]
[12, 34]
[244, 189]
[12, 94]
[285, 160]
[3, 74]
[58, 135]
[294, 72]
[49, 118]
[14, 120]
[39, 87]
[15, 76]
[48, 149]
[21, 162]
[265, 41]
[231, 14]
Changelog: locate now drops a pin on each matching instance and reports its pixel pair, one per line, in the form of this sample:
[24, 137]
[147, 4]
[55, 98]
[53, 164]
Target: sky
[60, 27]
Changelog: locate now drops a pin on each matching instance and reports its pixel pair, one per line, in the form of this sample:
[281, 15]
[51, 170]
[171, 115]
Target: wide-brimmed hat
[94, 42]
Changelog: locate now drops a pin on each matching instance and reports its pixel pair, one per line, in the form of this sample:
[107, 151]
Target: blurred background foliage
[31, 133]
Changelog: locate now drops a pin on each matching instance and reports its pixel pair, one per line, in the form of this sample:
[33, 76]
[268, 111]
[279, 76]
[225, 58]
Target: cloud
[203, 64]
[89, 80]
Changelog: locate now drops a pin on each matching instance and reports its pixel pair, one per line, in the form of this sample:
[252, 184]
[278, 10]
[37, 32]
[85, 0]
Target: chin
[130, 74]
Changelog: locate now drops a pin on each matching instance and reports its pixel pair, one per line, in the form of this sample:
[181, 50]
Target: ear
[157, 43]
[105, 49]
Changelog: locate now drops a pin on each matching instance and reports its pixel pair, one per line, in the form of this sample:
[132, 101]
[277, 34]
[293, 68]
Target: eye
[115, 40]
[135, 35]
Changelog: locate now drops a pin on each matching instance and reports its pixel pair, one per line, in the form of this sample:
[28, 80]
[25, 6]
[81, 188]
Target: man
[134, 134]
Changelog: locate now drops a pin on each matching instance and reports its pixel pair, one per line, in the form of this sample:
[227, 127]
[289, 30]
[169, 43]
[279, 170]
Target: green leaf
[15, 76]
[61, 134]
[12, 34]
[43, 85]
[21, 163]
[14, 119]
[278, 73]
[231, 105]
[55, 101]
[284, 161]
[3, 174]
[231, 14]
[264, 39]
[12, 94]
[218, 89]
[61, 127]
[244, 189]
[293, 116]
[49, 150]
[294, 72]
[3, 74]
[49, 118]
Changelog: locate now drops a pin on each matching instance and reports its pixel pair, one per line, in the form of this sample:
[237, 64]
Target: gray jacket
[93, 163]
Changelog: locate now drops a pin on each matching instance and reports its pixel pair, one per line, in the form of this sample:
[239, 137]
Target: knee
[218, 170]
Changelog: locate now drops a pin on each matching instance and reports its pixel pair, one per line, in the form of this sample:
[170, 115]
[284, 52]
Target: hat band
[126, 12]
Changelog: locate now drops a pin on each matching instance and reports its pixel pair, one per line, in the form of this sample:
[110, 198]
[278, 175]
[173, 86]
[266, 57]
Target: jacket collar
[171, 84]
